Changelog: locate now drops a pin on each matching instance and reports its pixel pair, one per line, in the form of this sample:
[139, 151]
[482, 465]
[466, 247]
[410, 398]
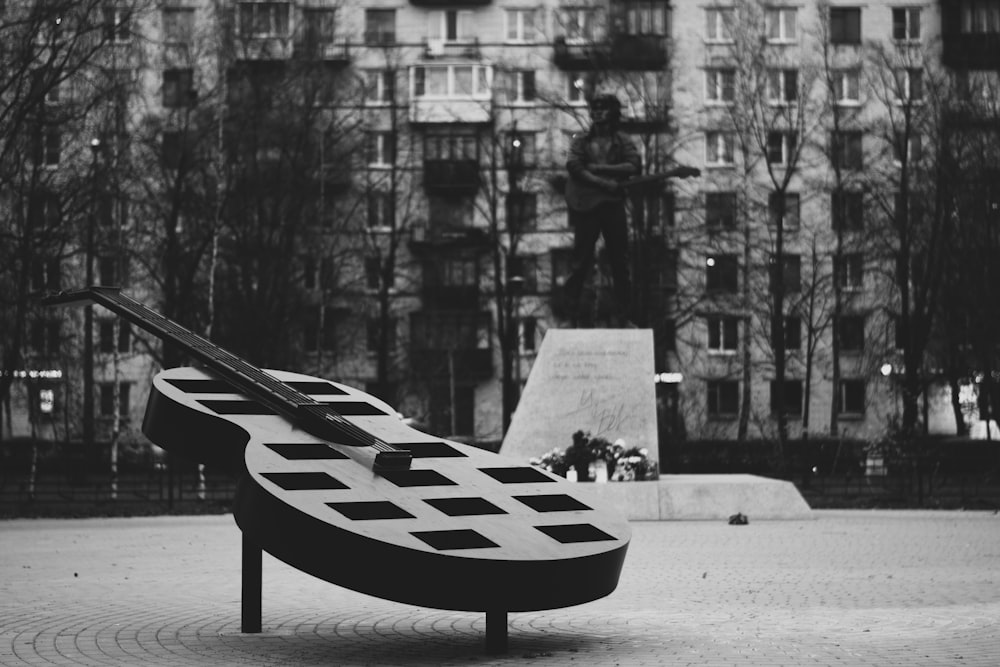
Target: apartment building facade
[433, 237]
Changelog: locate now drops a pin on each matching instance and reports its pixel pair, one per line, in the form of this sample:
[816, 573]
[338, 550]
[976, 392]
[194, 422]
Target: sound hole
[204, 386]
[364, 511]
[558, 502]
[304, 481]
[464, 506]
[244, 407]
[445, 540]
[416, 478]
[520, 475]
[575, 532]
[305, 451]
[317, 388]
[429, 450]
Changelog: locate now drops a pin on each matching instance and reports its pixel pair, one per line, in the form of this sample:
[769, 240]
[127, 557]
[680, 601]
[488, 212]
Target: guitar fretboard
[312, 415]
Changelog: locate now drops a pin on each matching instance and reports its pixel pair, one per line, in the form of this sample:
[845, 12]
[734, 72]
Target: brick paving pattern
[848, 588]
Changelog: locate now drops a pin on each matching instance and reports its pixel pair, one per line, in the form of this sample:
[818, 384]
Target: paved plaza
[847, 588]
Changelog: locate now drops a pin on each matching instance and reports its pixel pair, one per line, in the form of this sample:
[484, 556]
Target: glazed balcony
[446, 341]
[459, 177]
[451, 93]
[969, 35]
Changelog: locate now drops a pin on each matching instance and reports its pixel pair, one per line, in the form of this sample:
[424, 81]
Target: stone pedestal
[593, 380]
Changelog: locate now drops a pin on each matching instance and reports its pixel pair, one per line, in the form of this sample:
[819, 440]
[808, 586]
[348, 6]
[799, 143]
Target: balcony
[579, 55]
[437, 49]
[451, 176]
[262, 48]
[638, 52]
[971, 51]
[451, 93]
[969, 36]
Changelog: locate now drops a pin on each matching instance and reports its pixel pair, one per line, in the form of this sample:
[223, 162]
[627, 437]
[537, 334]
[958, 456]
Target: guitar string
[213, 354]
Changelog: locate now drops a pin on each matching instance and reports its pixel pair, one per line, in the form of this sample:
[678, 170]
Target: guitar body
[462, 528]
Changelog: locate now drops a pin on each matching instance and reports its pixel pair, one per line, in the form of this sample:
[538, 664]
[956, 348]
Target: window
[449, 213]
[116, 25]
[373, 273]
[452, 409]
[723, 398]
[909, 85]
[719, 148]
[526, 268]
[319, 329]
[108, 399]
[522, 211]
[720, 210]
[646, 17]
[528, 328]
[789, 213]
[851, 333]
[521, 86]
[263, 19]
[791, 273]
[45, 336]
[792, 397]
[980, 17]
[906, 23]
[380, 86]
[665, 261]
[793, 332]
[318, 27]
[848, 210]
[780, 24]
[108, 270]
[848, 271]
[722, 273]
[178, 88]
[451, 25]
[520, 25]
[580, 24]
[47, 146]
[380, 210]
[846, 149]
[906, 147]
[107, 336]
[720, 85]
[174, 149]
[717, 25]
[846, 87]
[723, 334]
[562, 264]
[451, 81]
[178, 25]
[576, 89]
[845, 25]
[380, 26]
[851, 397]
[381, 149]
[46, 274]
[781, 147]
[782, 86]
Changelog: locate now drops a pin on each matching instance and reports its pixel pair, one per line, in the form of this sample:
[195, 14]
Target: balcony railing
[332, 52]
[448, 4]
[971, 51]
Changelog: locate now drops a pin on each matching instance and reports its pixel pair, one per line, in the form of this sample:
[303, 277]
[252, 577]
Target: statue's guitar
[338, 486]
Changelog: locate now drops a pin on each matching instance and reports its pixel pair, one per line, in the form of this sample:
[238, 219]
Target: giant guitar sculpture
[335, 484]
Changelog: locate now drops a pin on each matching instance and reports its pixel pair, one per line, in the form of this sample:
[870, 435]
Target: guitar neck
[311, 415]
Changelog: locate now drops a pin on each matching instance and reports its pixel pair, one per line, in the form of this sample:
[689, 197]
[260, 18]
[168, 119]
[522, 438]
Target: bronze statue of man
[599, 160]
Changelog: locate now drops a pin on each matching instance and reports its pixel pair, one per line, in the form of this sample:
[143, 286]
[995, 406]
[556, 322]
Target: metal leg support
[250, 620]
[496, 631]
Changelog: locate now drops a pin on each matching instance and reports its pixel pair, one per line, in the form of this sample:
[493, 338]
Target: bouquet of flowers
[623, 463]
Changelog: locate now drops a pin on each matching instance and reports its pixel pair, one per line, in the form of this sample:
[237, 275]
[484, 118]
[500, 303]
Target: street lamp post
[88, 311]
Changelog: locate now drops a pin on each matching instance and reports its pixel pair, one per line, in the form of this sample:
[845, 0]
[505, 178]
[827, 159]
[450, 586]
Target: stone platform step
[704, 497]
